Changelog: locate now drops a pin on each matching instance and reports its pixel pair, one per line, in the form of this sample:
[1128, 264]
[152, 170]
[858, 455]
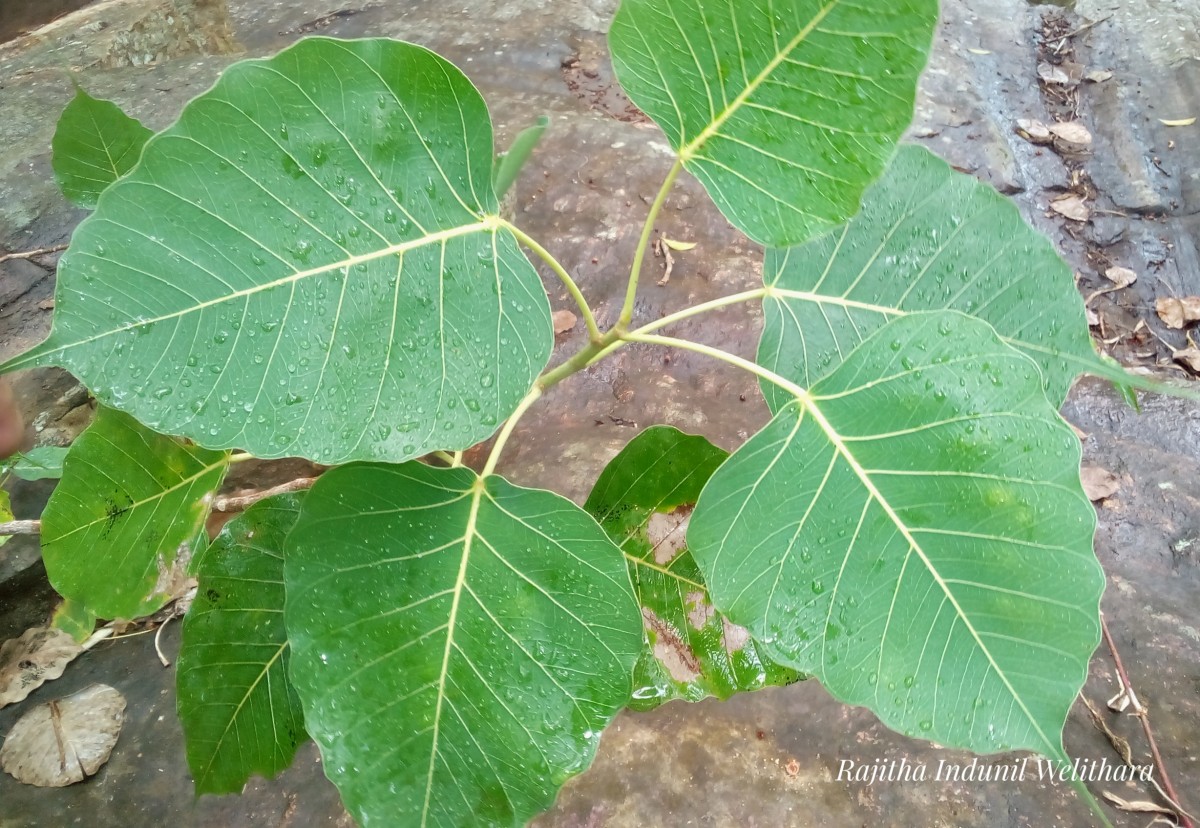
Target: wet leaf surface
[308, 262]
[785, 112]
[926, 547]
[130, 504]
[459, 642]
[927, 238]
[241, 716]
[644, 500]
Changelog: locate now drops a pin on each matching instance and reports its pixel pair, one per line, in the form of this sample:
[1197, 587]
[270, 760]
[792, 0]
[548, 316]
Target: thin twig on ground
[29, 254]
[1142, 713]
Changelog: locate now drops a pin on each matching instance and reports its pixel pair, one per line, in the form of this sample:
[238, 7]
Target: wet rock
[1106, 230]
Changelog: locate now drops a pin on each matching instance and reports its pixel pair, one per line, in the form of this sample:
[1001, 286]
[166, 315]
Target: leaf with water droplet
[203, 276]
[974, 593]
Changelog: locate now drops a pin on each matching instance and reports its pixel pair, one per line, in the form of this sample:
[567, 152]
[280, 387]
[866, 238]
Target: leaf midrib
[809, 403]
[689, 150]
[488, 223]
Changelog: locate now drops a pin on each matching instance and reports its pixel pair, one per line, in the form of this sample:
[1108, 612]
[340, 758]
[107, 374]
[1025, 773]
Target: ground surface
[769, 758]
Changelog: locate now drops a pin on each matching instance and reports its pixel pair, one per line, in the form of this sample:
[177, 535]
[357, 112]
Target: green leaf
[644, 500]
[130, 501]
[927, 238]
[508, 165]
[460, 642]
[94, 144]
[240, 713]
[41, 463]
[784, 111]
[309, 262]
[6, 514]
[914, 532]
[74, 619]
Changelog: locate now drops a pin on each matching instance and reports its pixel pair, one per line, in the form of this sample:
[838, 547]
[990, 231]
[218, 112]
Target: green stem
[240, 457]
[542, 253]
[716, 353]
[644, 242]
[494, 457]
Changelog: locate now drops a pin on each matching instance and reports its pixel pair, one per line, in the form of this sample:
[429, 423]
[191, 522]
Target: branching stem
[588, 317]
[644, 242]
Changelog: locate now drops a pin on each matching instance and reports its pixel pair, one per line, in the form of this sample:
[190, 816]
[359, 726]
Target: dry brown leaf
[1189, 357]
[1071, 206]
[1136, 806]
[1034, 131]
[64, 741]
[1177, 313]
[1097, 75]
[563, 320]
[40, 655]
[1098, 483]
[1174, 122]
[1120, 276]
[1072, 132]
[1052, 74]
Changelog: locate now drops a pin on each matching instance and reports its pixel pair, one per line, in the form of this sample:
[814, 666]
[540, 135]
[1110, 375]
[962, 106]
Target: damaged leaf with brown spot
[64, 741]
[644, 500]
[39, 655]
[131, 502]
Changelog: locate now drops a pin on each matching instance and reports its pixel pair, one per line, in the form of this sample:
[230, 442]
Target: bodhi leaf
[94, 144]
[6, 514]
[459, 642]
[309, 262]
[913, 531]
[240, 713]
[129, 503]
[644, 500]
[41, 463]
[74, 619]
[927, 238]
[784, 111]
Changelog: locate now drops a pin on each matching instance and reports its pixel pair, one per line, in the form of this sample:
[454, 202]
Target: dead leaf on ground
[1071, 206]
[678, 245]
[1097, 75]
[1176, 122]
[1136, 806]
[64, 741]
[1034, 131]
[1120, 276]
[1072, 132]
[563, 320]
[1053, 75]
[40, 655]
[1177, 313]
[1098, 483]
[1189, 357]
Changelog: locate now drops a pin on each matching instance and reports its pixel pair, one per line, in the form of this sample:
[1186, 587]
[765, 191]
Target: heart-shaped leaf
[927, 238]
[309, 262]
[240, 713]
[785, 111]
[459, 642]
[94, 144]
[40, 463]
[644, 500]
[913, 531]
[129, 501]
